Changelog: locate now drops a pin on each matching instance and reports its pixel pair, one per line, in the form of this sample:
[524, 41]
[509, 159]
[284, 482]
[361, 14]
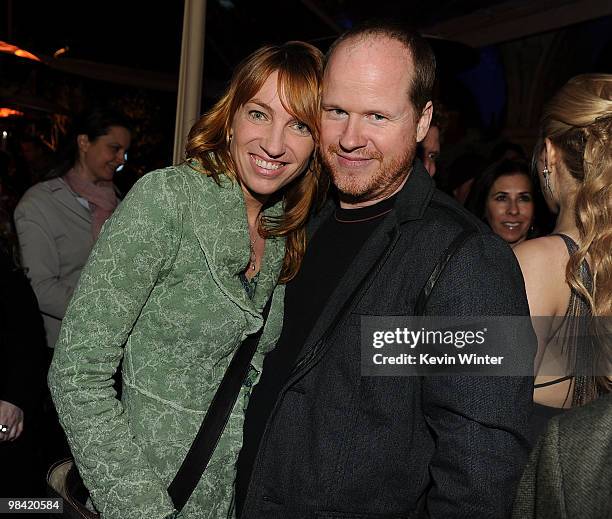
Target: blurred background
[499, 61]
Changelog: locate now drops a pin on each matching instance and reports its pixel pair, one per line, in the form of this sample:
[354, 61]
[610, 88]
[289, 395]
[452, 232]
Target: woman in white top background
[58, 220]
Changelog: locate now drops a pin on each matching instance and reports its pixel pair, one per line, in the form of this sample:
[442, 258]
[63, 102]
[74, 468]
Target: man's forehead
[370, 48]
[377, 68]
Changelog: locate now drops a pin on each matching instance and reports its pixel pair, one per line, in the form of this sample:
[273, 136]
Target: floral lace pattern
[162, 291]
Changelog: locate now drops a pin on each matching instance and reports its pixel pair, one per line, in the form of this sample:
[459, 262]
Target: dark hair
[439, 117]
[5, 161]
[502, 148]
[460, 170]
[32, 139]
[477, 199]
[94, 124]
[422, 55]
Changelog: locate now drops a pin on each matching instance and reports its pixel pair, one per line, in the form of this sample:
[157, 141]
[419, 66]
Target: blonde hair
[299, 66]
[578, 121]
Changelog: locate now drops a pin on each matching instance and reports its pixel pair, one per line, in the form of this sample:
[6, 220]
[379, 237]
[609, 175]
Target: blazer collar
[220, 224]
[66, 197]
[410, 204]
[414, 198]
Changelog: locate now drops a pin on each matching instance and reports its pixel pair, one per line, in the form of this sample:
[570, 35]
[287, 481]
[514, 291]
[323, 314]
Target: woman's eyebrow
[262, 104]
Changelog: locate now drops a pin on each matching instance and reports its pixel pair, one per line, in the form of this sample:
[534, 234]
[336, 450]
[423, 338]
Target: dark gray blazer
[339, 445]
[570, 470]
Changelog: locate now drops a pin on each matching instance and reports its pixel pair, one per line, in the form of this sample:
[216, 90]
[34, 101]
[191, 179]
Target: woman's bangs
[299, 96]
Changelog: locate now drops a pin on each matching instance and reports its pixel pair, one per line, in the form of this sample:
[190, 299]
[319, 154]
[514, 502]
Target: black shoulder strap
[216, 417]
[460, 239]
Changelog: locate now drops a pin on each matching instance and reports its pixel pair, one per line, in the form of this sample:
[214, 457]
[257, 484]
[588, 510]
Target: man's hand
[11, 418]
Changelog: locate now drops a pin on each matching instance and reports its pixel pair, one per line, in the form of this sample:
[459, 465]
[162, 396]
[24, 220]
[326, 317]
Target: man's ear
[424, 121]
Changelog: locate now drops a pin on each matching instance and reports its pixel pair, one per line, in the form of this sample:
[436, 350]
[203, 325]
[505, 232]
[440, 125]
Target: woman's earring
[546, 175]
[228, 138]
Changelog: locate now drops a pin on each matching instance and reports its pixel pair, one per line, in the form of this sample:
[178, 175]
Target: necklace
[253, 258]
[362, 219]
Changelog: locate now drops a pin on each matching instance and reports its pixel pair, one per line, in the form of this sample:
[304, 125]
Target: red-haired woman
[179, 277]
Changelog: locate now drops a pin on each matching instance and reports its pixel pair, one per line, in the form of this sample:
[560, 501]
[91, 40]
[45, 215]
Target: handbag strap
[455, 245]
[216, 418]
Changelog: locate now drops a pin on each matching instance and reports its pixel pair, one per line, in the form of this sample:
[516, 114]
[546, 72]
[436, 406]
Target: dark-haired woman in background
[503, 197]
[58, 220]
[568, 274]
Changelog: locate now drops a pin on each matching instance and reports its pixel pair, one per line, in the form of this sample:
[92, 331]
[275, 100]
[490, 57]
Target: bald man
[320, 439]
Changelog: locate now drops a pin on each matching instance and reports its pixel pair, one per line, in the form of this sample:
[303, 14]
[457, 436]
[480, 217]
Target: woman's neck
[253, 204]
[566, 223]
[566, 219]
[253, 211]
[83, 173]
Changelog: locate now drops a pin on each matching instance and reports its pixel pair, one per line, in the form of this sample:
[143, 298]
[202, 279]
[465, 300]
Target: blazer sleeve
[135, 246]
[40, 257]
[480, 423]
[540, 490]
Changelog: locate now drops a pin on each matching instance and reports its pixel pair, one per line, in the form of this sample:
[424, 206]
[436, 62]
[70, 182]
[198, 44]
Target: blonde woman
[568, 274]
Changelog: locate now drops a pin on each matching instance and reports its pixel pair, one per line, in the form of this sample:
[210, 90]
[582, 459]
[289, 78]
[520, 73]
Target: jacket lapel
[220, 225]
[410, 204]
[65, 197]
[367, 261]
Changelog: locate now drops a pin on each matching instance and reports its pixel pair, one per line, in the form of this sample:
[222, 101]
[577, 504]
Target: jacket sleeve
[538, 493]
[136, 244]
[40, 258]
[480, 423]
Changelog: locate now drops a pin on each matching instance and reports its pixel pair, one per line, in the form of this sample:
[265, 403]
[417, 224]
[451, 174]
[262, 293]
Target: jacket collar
[220, 224]
[414, 198]
[411, 203]
[66, 197]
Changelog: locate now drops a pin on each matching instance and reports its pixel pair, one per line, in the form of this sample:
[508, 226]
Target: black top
[573, 344]
[328, 256]
[22, 337]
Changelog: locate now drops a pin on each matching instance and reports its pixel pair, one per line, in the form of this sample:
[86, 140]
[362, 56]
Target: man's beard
[355, 188]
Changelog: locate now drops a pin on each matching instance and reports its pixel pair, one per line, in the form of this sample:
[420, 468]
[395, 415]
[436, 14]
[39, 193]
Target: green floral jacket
[161, 292]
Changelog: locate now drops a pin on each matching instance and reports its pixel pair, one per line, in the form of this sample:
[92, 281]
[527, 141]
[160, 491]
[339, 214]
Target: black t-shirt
[328, 256]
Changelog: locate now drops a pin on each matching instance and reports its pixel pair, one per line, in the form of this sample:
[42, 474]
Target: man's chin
[349, 187]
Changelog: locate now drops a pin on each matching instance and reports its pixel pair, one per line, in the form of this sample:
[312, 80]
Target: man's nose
[352, 138]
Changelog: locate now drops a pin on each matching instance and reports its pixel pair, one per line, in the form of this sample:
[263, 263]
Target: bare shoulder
[543, 262]
[542, 254]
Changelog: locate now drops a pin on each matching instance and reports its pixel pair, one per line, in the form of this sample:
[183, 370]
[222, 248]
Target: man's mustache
[359, 154]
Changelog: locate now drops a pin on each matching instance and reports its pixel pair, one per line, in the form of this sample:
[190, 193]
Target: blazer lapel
[411, 203]
[64, 196]
[368, 260]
